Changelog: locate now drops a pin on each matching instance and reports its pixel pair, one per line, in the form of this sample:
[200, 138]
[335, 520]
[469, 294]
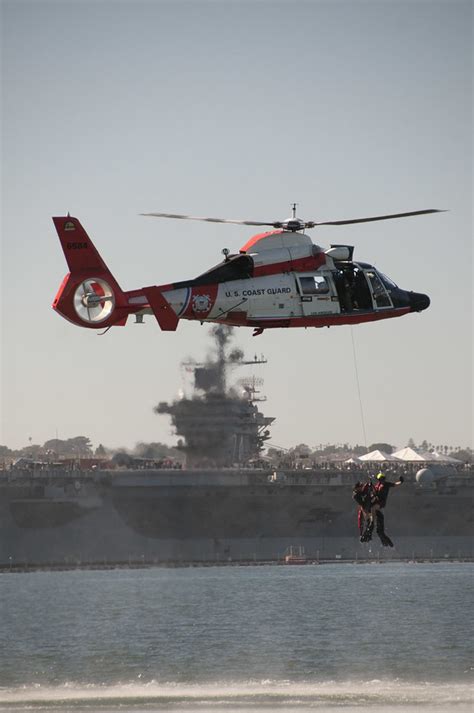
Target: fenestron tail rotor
[294, 224]
[94, 300]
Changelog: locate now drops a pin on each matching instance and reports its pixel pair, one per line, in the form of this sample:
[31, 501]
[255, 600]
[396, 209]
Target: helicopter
[279, 278]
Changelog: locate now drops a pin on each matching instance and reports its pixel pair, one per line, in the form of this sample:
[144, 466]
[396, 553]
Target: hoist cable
[358, 388]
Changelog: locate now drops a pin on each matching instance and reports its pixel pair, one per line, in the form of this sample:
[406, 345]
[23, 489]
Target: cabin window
[314, 285]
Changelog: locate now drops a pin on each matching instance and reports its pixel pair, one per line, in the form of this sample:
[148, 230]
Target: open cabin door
[360, 288]
[318, 294]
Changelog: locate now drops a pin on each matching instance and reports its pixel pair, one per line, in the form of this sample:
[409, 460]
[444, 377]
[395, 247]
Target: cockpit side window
[378, 290]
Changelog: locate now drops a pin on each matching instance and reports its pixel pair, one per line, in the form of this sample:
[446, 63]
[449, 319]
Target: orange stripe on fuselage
[254, 239]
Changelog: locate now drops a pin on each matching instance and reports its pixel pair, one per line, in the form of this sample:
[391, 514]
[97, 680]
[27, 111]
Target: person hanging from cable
[363, 494]
[380, 493]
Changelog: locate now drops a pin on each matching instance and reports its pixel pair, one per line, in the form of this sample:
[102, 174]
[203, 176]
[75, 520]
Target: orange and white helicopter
[277, 279]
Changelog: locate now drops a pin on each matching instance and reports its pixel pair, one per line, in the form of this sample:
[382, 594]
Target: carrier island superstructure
[225, 504]
[220, 426]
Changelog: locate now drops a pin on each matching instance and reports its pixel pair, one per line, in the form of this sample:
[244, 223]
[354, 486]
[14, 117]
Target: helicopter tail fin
[89, 295]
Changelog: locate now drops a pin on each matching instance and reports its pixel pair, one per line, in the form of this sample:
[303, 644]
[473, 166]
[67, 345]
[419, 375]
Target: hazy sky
[237, 109]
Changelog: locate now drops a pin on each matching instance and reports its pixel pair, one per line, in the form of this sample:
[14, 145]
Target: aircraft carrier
[226, 505]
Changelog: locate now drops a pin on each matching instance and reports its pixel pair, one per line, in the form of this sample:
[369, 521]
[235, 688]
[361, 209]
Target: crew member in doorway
[344, 290]
[379, 499]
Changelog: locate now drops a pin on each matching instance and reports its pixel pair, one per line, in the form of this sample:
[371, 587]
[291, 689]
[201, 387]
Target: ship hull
[209, 516]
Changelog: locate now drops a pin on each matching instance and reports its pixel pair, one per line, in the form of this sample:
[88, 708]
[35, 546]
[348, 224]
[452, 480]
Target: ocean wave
[377, 694]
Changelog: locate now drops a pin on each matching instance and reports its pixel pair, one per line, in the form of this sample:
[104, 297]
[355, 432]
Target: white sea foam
[267, 695]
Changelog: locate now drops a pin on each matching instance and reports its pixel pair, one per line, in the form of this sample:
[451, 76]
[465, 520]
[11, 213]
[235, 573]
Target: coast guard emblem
[201, 303]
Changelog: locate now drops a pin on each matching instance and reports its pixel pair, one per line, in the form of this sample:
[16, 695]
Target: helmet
[380, 476]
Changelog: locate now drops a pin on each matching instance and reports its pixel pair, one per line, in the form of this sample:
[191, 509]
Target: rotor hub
[91, 299]
[293, 225]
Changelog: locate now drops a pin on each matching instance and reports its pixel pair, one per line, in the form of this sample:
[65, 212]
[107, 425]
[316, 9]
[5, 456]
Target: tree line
[82, 447]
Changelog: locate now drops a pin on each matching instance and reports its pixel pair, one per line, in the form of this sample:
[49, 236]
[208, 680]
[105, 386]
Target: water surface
[239, 638]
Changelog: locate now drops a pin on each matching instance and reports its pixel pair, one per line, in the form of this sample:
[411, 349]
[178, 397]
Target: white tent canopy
[410, 455]
[378, 457]
[442, 458]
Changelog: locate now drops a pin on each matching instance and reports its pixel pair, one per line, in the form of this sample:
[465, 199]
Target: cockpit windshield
[389, 284]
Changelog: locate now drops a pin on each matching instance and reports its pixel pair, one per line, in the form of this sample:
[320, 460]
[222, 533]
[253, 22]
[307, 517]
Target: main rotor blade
[208, 220]
[375, 217]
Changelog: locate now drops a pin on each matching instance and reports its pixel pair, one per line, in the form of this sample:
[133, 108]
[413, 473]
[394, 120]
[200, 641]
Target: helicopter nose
[418, 302]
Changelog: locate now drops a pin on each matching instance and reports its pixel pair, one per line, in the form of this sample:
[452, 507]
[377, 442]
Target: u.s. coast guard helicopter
[277, 279]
